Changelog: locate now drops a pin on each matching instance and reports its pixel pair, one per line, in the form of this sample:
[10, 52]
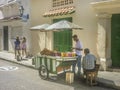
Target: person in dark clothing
[17, 47]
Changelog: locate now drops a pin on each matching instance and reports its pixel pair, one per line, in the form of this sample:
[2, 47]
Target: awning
[40, 27]
[64, 25]
[60, 11]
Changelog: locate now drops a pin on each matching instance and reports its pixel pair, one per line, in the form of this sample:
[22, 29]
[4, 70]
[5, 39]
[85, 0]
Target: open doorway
[5, 38]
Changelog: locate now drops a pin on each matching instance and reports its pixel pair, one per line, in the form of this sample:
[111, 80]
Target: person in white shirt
[89, 61]
[78, 49]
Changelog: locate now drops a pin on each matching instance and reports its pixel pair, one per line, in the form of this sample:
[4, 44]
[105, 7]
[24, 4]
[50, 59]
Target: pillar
[104, 40]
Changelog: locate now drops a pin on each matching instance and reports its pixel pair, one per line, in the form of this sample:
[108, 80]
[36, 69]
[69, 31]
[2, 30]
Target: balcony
[10, 9]
[7, 2]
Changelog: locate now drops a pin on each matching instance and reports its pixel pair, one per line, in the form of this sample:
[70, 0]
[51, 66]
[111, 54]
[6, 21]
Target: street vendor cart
[52, 64]
[47, 62]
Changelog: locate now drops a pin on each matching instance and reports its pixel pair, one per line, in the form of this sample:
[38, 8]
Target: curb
[107, 83]
[113, 70]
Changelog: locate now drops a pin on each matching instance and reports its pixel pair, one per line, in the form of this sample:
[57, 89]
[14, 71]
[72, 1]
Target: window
[63, 39]
[57, 3]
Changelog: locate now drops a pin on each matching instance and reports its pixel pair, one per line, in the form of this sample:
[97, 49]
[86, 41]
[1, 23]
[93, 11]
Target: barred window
[57, 3]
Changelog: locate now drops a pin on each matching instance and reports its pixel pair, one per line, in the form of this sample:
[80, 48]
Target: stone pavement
[105, 78]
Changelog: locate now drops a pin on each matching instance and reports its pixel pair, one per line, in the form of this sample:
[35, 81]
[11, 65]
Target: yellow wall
[38, 7]
[84, 16]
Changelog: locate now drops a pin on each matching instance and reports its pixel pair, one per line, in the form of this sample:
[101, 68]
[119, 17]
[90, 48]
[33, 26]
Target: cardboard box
[69, 77]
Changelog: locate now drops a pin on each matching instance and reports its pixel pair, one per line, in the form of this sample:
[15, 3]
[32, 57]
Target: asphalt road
[23, 78]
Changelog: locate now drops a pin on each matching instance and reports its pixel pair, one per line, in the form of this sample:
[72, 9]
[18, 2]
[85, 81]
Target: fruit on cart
[46, 51]
[68, 54]
[56, 53]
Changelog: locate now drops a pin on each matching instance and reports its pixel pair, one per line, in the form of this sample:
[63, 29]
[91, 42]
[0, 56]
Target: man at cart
[78, 50]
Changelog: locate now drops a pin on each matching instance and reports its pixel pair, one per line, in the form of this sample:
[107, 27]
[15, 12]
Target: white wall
[86, 18]
[22, 30]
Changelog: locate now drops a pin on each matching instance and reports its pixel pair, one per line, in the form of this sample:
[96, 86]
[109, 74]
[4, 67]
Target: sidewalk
[105, 78]
[11, 57]
[109, 79]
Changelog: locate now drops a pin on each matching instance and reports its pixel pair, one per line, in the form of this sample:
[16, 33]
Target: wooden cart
[52, 64]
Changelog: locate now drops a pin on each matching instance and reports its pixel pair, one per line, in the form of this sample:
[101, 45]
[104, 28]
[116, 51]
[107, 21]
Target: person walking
[17, 47]
[24, 47]
[78, 50]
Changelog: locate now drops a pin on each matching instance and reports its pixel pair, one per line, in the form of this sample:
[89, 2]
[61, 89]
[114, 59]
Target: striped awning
[60, 11]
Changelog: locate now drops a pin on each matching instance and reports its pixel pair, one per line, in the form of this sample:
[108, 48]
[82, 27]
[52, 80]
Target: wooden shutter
[115, 40]
[63, 39]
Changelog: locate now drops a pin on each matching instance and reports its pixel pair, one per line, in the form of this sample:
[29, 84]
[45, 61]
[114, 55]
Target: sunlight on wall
[1, 15]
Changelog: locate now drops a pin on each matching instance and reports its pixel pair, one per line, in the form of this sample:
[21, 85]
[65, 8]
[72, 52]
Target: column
[104, 40]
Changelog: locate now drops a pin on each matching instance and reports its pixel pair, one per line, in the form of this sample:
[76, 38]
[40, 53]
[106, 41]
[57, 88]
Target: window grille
[57, 3]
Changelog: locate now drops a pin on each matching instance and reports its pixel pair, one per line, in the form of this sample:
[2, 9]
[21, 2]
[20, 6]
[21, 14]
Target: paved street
[23, 78]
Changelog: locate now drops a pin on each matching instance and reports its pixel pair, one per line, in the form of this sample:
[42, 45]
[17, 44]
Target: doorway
[5, 38]
[115, 40]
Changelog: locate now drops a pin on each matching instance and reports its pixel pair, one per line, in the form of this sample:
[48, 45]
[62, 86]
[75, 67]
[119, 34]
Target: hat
[74, 36]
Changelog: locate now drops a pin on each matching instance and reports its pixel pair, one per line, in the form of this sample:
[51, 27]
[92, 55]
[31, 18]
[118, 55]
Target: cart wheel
[43, 72]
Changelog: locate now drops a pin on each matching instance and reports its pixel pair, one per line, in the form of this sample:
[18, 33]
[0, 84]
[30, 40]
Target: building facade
[99, 18]
[108, 32]
[50, 13]
[14, 22]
